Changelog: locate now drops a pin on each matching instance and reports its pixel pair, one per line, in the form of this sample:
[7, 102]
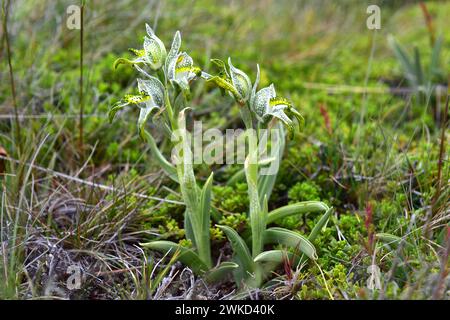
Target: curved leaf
[239, 247]
[168, 168]
[296, 208]
[144, 114]
[205, 211]
[291, 239]
[390, 239]
[205, 201]
[320, 225]
[278, 256]
[237, 177]
[186, 255]
[221, 271]
[115, 108]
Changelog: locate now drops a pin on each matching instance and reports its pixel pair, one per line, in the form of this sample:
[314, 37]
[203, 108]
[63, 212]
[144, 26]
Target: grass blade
[404, 60]
[418, 68]
[205, 209]
[435, 59]
[186, 255]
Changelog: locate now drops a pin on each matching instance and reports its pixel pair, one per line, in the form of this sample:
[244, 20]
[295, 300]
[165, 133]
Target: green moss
[231, 199]
[304, 191]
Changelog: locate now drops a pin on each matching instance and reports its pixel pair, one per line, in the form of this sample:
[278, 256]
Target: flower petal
[153, 88]
[261, 102]
[240, 81]
[173, 53]
[155, 52]
[255, 85]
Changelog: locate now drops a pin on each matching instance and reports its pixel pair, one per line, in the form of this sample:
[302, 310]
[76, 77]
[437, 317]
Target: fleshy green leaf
[144, 114]
[277, 256]
[239, 248]
[221, 271]
[320, 225]
[168, 168]
[186, 255]
[296, 208]
[205, 201]
[291, 239]
[266, 182]
[205, 211]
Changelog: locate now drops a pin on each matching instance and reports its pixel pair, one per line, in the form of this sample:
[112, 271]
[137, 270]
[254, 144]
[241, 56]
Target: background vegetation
[372, 147]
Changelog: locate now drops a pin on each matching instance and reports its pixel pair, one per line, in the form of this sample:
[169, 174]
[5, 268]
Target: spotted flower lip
[179, 66]
[235, 81]
[153, 53]
[149, 99]
[266, 105]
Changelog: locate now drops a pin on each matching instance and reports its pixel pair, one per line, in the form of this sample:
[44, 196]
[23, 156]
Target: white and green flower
[153, 53]
[267, 105]
[179, 66]
[149, 99]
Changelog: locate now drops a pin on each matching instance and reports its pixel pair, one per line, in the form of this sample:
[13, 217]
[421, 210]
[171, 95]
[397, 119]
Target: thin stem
[81, 95]
[441, 155]
[5, 11]
[428, 22]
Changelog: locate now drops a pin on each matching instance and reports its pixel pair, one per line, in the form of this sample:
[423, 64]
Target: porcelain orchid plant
[163, 93]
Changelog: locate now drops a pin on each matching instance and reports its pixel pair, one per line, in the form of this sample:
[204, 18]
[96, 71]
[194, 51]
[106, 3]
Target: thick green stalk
[257, 217]
[191, 196]
[168, 106]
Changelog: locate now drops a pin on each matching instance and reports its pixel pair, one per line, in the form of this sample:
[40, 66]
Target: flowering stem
[197, 216]
[257, 221]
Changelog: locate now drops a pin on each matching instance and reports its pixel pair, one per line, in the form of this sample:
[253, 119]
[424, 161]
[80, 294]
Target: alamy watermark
[74, 280]
[73, 21]
[373, 21]
[374, 280]
[213, 146]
